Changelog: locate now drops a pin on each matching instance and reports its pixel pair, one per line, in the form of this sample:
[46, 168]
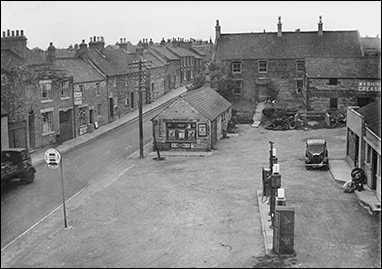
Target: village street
[192, 211]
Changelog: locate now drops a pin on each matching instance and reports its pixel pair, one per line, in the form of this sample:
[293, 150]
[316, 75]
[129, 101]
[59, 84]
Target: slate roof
[66, 53]
[335, 67]
[207, 101]
[9, 58]
[80, 70]
[164, 52]
[154, 62]
[289, 45]
[182, 52]
[112, 62]
[372, 116]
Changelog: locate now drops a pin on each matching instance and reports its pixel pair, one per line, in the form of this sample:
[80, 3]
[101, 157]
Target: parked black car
[316, 153]
[16, 163]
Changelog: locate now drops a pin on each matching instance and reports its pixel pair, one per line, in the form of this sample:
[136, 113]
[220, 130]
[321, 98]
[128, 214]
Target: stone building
[194, 121]
[334, 83]
[266, 64]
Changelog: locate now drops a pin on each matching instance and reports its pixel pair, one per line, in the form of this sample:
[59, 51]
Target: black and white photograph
[191, 134]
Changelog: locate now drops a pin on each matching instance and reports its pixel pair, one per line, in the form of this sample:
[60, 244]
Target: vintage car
[16, 163]
[316, 153]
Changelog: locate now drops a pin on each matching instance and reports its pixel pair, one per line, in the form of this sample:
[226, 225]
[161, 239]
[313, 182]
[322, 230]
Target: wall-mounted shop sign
[369, 86]
[77, 98]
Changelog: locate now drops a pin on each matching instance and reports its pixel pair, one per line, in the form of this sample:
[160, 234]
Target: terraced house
[297, 67]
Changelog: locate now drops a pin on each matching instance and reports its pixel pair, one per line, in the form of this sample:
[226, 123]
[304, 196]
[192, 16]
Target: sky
[69, 22]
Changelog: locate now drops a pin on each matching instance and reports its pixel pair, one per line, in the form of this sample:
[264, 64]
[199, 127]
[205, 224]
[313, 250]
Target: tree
[221, 79]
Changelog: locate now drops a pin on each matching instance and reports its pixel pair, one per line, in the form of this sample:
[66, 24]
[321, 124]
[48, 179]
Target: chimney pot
[8, 32]
[3, 33]
[124, 40]
[94, 39]
[120, 40]
[279, 27]
[22, 32]
[17, 32]
[13, 33]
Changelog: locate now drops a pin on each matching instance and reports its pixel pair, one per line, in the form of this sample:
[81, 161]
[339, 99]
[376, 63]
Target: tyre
[28, 176]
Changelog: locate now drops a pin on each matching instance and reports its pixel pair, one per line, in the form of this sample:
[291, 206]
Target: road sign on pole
[52, 157]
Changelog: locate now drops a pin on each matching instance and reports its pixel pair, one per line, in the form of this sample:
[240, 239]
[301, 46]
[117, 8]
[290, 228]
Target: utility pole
[141, 73]
[140, 108]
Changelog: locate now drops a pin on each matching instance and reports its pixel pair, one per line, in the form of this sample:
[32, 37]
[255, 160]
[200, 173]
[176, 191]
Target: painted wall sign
[369, 86]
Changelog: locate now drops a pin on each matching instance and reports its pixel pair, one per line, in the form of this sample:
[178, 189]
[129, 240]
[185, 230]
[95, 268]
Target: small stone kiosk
[194, 121]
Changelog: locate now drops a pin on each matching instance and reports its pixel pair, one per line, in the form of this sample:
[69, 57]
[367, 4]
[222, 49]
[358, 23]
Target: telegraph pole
[140, 108]
[141, 73]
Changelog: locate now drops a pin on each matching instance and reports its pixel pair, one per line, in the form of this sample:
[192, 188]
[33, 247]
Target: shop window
[47, 122]
[181, 131]
[236, 67]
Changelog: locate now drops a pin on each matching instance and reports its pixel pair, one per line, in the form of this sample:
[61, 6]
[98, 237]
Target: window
[333, 103]
[99, 109]
[47, 122]
[299, 85]
[237, 90]
[82, 91]
[236, 67]
[98, 89]
[181, 131]
[368, 153]
[46, 87]
[300, 66]
[64, 89]
[263, 66]
[333, 81]
[82, 116]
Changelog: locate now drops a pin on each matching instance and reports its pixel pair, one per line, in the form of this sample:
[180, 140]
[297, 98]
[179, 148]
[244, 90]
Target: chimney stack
[123, 44]
[279, 27]
[217, 31]
[320, 31]
[16, 43]
[51, 53]
[97, 43]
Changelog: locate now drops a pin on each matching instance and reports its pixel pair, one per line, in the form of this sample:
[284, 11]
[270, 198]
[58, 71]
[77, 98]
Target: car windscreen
[316, 148]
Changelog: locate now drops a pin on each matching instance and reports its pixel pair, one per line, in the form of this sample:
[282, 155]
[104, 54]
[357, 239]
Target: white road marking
[14, 240]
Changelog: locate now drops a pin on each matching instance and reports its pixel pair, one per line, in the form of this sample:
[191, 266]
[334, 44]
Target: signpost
[53, 159]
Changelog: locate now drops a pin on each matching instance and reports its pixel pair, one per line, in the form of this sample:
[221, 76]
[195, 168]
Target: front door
[111, 102]
[66, 128]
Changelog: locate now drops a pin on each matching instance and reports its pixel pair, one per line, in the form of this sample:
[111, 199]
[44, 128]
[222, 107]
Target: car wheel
[28, 176]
